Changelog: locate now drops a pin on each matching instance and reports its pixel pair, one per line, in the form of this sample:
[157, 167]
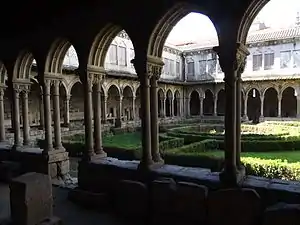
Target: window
[172, 67]
[285, 59]
[131, 55]
[113, 54]
[122, 56]
[211, 66]
[177, 68]
[257, 62]
[202, 67]
[296, 56]
[268, 61]
[190, 68]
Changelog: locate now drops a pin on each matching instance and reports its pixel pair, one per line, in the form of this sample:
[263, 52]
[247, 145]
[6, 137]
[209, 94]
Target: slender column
[201, 106]
[215, 105]
[140, 65]
[47, 114]
[25, 117]
[105, 109]
[67, 111]
[298, 105]
[164, 106]
[56, 115]
[246, 107]
[188, 106]
[42, 118]
[97, 118]
[87, 81]
[178, 101]
[133, 108]
[232, 60]
[261, 106]
[279, 105]
[2, 127]
[16, 113]
[161, 107]
[154, 118]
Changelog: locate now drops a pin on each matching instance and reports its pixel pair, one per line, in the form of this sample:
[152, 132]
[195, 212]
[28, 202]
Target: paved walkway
[70, 213]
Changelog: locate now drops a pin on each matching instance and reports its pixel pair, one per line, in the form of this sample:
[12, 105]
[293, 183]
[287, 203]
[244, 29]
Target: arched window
[122, 58]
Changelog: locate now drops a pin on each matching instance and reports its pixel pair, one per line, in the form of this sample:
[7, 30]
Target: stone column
[97, 117]
[16, 114]
[118, 122]
[161, 107]
[25, 117]
[140, 65]
[2, 127]
[56, 115]
[105, 109]
[154, 112]
[261, 107]
[67, 111]
[42, 118]
[133, 108]
[201, 106]
[164, 106]
[298, 105]
[279, 104]
[87, 81]
[188, 106]
[178, 101]
[245, 116]
[215, 113]
[232, 61]
[47, 115]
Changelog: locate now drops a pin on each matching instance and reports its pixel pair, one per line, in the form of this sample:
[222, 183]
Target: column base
[58, 163]
[101, 154]
[245, 118]
[232, 177]
[261, 119]
[145, 166]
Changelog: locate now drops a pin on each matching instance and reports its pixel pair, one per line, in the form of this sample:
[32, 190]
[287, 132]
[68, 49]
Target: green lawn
[133, 141]
[127, 140]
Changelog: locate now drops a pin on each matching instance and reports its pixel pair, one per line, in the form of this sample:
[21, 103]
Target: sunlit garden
[269, 149]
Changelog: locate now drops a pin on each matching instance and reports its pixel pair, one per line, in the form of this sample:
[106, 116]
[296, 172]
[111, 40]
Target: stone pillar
[67, 111]
[105, 109]
[164, 106]
[87, 81]
[140, 65]
[42, 118]
[298, 105]
[47, 115]
[188, 106]
[56, 115]
[178, 101]
[245, 116]
[215, 105]
[279, 104]
[133, 108]
[201, 106]
[16, 114]
[232, 61]
[118, 122]
[97, 117]
[25, 117]
[261, 107]
[2, 127]
[154, 112]
[161, 107]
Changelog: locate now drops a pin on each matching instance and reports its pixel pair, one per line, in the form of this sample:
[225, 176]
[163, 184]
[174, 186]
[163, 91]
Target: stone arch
[289, 102]
[71, 58]
[22, 67]
[113, 85]
[270, 102]
[128, 102]
[169, 103]
[35, 104]
[113, 102]
[71, 84]
[165, 25]
[253, 105]
[194, 103]
[208, 103]
[3, 73]
[56, 56]
[221, 102]
[76, 101]
[177, 104]
[102, 43]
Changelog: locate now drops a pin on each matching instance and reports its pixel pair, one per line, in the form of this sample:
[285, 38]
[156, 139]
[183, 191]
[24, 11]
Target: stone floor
[70, 213]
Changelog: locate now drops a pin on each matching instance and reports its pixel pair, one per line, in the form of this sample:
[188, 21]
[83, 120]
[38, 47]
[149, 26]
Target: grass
[127, 140]
[290, 156]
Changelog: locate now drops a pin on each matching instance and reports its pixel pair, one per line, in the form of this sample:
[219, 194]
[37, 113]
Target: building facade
[191, 84]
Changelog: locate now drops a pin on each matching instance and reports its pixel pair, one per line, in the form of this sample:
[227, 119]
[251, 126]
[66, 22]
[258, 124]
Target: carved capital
[154, 67]
[232, 57]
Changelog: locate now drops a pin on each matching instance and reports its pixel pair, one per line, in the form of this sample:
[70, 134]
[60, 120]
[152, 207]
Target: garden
[269, 149]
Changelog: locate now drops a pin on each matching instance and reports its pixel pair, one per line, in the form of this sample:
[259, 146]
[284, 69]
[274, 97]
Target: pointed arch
[56, 55]
[165, 25]
[208, 103]
[270, 102]
[23, 64]
[289, 102]
[194, 103]
[102, 43]
[3, 73]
